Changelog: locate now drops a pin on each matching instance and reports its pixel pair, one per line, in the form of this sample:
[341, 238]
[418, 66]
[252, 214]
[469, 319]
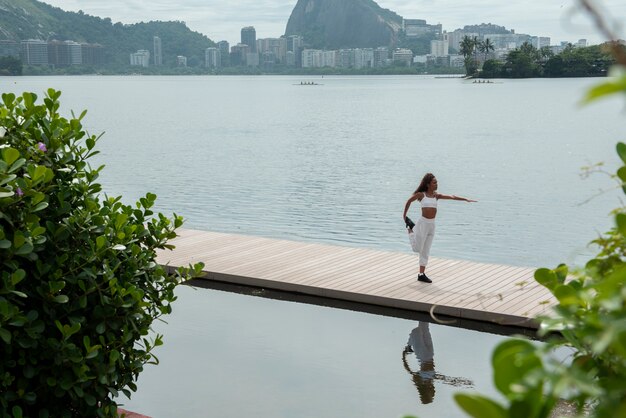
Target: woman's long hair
[428, 177]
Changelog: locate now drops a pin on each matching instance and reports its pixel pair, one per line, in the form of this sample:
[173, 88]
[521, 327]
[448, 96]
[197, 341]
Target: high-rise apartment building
[276, 47]
[363, 58]
[212, 58]
[224, 48]
[381, 56]
[402, 55]
[295, 44]
[238, 54]
[92, 54]
[140, 58]
[439, 48]
[64, 53]
[248, 37]
[414, 28]
[9, 48]
[540, 41]
[34, 52]
[319, 58]
[455, 38]
[157, 50]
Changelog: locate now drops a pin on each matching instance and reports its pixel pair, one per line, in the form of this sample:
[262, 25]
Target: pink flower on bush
[42, 147]
[19, 192]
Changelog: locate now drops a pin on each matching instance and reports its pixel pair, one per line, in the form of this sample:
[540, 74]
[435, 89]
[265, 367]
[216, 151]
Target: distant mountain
[336, 24]
[31, 19]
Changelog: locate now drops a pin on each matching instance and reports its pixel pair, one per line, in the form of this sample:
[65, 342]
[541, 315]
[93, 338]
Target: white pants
[422, 238]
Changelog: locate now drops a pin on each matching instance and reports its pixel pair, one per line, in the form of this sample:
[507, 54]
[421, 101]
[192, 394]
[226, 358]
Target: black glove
[409, 223]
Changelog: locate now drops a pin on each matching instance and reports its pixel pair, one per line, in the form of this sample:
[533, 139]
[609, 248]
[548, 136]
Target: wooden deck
[501, 294]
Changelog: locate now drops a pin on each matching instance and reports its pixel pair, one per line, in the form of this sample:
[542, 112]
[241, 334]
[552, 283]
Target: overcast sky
[223, 19]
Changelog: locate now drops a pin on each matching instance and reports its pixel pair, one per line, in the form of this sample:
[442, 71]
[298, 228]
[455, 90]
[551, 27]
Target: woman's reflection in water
[421, 343]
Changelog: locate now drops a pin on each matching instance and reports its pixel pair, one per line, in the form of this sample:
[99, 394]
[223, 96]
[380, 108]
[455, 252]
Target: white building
[75, 52]
[455, 38]
[181, 61]
[34, 52]
[403, 55]
[276, 46]
[364, 58]
[457, 61]
[252, 59]
[158, 52]
[508, 40]
[414, 28]
[439, 48]
[140, 58]
[318, 58]
[329, 59]
[540, 41]
[212, 58]
[381, 56]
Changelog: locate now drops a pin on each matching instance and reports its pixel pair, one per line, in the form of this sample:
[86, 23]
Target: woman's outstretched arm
[453, 197]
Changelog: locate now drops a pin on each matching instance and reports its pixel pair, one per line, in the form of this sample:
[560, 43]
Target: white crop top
[428, 202]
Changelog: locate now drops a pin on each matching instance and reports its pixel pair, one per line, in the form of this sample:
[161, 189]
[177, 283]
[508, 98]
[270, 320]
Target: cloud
[223, 19]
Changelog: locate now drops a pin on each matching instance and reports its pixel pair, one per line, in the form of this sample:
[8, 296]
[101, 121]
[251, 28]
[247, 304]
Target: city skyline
[220, 20]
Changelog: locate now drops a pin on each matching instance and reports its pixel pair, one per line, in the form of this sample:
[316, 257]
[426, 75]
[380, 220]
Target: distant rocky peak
[334, 24]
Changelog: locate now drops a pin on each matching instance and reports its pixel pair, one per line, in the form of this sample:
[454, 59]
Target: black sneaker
[423, 278]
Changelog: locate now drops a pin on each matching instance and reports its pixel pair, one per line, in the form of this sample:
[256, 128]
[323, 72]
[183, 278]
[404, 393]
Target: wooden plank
[465, 289]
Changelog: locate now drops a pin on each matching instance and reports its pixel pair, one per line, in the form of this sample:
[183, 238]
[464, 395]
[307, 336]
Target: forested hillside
[31, 19]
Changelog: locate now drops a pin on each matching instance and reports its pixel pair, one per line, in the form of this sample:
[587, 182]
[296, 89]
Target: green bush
[79, 286]
[588, 322]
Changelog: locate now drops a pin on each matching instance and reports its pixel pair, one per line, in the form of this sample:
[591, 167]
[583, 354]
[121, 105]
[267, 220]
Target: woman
[422, 238]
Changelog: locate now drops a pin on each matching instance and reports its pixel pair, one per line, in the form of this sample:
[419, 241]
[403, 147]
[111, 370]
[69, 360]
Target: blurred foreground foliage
[79, 282]
[588, 322]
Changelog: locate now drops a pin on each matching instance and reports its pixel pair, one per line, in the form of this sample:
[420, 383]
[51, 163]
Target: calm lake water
[335, 163]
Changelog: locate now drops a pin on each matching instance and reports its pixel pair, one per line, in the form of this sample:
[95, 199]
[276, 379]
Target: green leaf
[91, 401]
[4, 244]
[18, 240]
[566, 295]
[38, 173]
[479, 406]
[7, 179]
[61, 299]
[620, 220]
[621, 151]
[26, 248]
[20, 294]
[114, 356]
[16, 165]
[5, 335]
[605, 89]
[512, 360]
[16, 411]
[40, 206]
[546, 278]
[10, 155]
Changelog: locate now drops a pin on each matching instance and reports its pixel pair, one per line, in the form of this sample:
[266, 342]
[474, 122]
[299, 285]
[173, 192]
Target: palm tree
[487, 46]
[476, 43]
[468, 49]
[467, 46]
